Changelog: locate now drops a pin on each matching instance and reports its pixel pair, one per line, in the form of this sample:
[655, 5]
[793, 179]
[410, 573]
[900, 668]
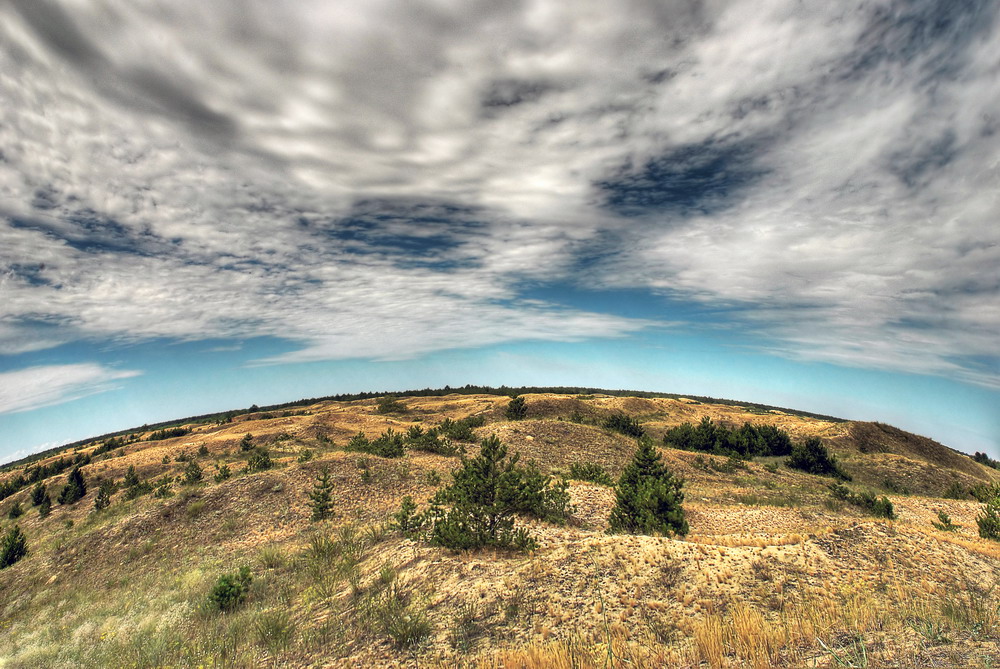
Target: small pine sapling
[13, 547]
[322, 496]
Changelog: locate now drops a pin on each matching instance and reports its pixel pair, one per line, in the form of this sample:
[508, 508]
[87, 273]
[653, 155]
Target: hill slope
[775, 571]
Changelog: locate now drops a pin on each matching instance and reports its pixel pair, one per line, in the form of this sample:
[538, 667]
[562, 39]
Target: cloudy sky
[205, 205]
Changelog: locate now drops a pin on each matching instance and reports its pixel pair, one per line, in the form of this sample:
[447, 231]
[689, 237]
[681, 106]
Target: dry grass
[755, 584]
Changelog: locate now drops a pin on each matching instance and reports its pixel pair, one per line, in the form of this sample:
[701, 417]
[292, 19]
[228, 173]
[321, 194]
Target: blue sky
[205, 206]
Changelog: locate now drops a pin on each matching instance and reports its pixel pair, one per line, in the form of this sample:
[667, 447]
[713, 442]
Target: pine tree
[38, 493]
[45, 506]
[192, 473]
[516, 409]
[13, 547]
[131, 477]
[321, 496]
[103, 498]
[75, 487]
[648, 497]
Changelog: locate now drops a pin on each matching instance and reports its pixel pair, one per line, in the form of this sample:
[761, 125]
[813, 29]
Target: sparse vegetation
[168, 433]
[648, 496]
[944, 523]
[15, 511]
[103, 498]
[222, 472]
[389, 404]
[259, 460]
[75, 487]
[192, 473]
[389, 444]
[627, 425]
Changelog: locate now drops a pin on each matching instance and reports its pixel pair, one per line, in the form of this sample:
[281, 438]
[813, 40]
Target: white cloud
[158, 164]
[37, 387]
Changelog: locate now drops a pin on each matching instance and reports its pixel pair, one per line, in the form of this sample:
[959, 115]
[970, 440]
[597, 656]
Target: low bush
[955, 490]
[389, 404]
[989, 520]
[222, 472]
[627, 425]
[746, 441]
[259, 460]
[429, 441]
[591, 471]
[15, 511]
[231, 590]
[192, 473]
[516, 409]
[944, 523]
[812, 457]
[389, 444]
[867, 501]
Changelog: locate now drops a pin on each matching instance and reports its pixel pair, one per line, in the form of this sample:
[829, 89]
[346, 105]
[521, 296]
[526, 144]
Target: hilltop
[776, 570]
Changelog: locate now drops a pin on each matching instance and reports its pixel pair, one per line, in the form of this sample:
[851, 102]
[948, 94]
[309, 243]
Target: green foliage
[222, 472]
[305, 456]
[590, 471]
[75, 488]
[259, 460]
[648, 497]
[867, 501]
[393, 610]
[984, 459]
[15, 511]
[168, 433]
[246, 443]
[389, 404]
[989, 520]
[202, 451]
[986, 493]
[407, 520]
[389, 444]
[430, 441]
[13, 547]
[461, 430]
[746, 441]
[138, 490]
[45, 506]
[321, 496]
[192, 473]
[131, 477]
[516, 409]
[38, 493]
[944, 524]
[485, 494]
[627, 425]
[812, 457]
[163, 489]
[104, 492]
[231, 590]
[955, 490]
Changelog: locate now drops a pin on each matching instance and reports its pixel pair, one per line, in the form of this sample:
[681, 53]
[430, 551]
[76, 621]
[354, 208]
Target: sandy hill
[776, 570]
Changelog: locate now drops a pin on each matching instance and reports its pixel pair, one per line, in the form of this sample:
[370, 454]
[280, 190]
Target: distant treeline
[226, 416]
[984, 459]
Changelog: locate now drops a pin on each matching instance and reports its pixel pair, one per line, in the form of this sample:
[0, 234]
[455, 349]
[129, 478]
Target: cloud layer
[37, 387]
[382, 179]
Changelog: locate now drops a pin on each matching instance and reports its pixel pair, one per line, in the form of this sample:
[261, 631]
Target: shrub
[163, 489]
[516, 409]
[321, 496]
[231, 589]
[222, 473]
[259, 460]
[202, 451]
[746, 441]
[192, 473]
[389, 444]
[131, 477]
[305, 456]
[880, 508]
[13, 547]
[38, 493]
[461, 430]
[989, 520]
[103, 498]
[391, 609]
[944, 524]
[390, 404]
[246, 444]
[648, 497]
[274, 629]
[15, 511]
[45, 506]
[955, 490]
[812, 457]
[984, 459]
[75, 488]
[168, 433]
[627, 425]
[407, 520]
[485, 493]
[429, 441]
[590, 471]
[985, 493]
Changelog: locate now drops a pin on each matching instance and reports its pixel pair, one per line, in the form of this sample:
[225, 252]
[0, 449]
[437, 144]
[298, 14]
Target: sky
[207, 205]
